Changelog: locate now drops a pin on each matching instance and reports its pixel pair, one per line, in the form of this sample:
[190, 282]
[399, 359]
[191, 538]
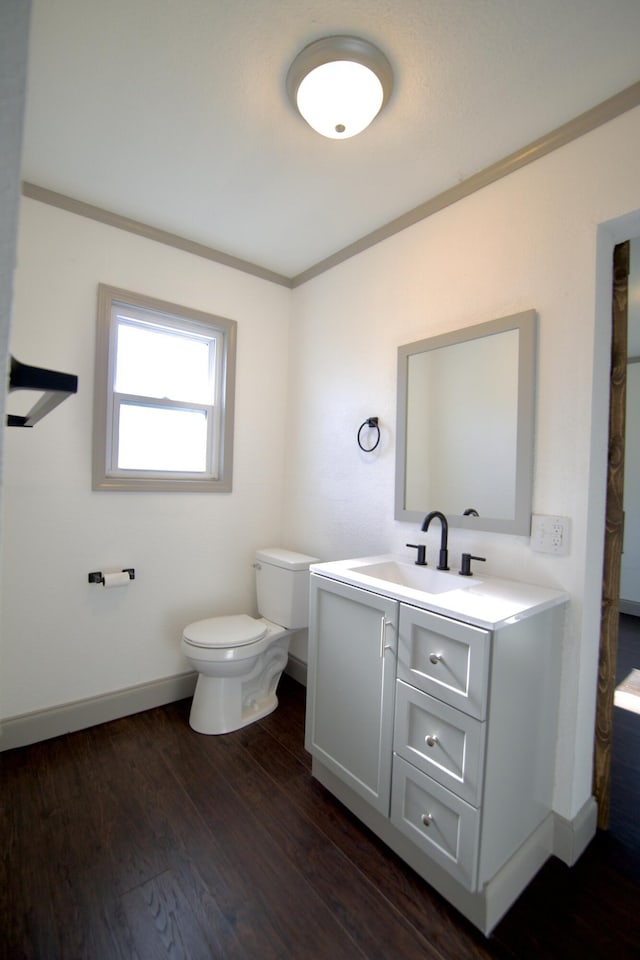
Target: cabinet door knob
[431, 741]
[427, 819]
[435, 657]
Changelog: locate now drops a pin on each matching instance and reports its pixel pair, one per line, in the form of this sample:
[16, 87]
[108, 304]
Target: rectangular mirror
[465, 426]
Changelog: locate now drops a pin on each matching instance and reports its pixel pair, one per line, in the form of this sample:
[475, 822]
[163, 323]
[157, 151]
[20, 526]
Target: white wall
[528, 241]
[63, 639]
[14, 33]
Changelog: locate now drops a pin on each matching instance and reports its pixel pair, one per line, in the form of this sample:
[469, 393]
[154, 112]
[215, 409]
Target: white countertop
[484, 601]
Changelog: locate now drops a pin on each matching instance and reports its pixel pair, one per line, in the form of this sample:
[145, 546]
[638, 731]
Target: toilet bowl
[239, 659]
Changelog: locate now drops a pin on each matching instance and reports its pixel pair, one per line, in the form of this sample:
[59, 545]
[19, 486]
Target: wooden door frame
[614, 520]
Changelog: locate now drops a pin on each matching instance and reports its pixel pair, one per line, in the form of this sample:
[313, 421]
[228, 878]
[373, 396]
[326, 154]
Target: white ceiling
[174, 112]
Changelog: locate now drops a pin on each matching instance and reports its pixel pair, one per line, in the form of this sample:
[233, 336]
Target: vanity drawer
[443, 742]
[446, 658]
[437, 821]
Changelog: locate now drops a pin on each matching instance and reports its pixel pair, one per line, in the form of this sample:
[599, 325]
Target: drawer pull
[427, 819]
[435, 657]
[431, 741]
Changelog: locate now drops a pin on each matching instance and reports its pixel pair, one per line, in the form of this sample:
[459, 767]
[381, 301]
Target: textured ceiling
[174, 112]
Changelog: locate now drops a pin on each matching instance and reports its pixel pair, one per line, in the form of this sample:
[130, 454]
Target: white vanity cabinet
[439, 732]
[352, 659]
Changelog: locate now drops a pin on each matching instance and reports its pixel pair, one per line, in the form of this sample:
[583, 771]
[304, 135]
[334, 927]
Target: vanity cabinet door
[443, 742]
[446, 658]
[350, 686]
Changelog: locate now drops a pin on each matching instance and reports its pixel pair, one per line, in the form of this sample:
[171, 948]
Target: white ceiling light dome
[339, 85]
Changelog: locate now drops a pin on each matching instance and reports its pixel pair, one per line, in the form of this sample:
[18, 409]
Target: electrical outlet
[550, 535]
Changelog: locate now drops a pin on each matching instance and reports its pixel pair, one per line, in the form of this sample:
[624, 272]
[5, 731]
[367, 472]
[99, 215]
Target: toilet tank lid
[280, 557]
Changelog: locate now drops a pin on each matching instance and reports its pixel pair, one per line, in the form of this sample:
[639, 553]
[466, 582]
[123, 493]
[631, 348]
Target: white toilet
[240, 659]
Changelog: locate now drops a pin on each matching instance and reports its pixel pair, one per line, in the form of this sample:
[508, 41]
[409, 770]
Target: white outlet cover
[550, 535]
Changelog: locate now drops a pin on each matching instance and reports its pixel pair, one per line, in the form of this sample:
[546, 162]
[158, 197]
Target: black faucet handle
[465, 565]
[421, 560]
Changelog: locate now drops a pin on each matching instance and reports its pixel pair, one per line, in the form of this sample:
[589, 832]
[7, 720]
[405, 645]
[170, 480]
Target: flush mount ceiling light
[339, 84]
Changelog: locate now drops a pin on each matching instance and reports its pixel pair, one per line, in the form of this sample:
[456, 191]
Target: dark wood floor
[142, 839]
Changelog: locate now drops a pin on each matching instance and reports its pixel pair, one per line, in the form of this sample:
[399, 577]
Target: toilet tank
[282, 584]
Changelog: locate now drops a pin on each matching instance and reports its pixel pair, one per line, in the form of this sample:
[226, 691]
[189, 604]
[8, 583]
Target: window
[164, 396]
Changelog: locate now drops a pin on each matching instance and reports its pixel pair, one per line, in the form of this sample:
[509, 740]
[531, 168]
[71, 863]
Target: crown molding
[82, 209]
[586, 122]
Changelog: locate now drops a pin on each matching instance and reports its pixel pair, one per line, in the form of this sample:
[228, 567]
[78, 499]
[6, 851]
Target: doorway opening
[616, 781]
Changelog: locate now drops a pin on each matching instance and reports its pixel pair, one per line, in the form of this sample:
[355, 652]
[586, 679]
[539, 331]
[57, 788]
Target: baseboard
[297, 669]
[572, 837]
[26, 728]
[629, 606]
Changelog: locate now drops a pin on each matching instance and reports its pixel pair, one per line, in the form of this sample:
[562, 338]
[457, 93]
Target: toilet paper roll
[116, 580]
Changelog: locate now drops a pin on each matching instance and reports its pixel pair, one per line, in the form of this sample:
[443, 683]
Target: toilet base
[227, 703]
[210, 715]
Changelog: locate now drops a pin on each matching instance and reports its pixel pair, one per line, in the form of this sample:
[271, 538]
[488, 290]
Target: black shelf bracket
[56, 386]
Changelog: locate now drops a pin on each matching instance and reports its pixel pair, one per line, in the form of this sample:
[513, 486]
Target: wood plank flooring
[140, 839]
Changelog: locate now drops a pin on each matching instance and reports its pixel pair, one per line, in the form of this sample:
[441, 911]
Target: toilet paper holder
[98, 576]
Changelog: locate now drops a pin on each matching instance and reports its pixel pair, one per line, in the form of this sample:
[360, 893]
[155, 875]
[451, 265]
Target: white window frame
[116, 306]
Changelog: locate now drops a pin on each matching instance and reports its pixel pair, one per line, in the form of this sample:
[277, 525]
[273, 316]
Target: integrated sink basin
[483, 601]
[416, 577]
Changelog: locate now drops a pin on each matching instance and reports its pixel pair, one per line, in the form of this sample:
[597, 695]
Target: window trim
[222, 483]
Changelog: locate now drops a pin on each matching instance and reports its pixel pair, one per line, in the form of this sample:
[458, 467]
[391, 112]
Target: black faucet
[443, 560]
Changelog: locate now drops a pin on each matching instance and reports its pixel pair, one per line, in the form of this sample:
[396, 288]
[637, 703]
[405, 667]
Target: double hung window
[164, 396]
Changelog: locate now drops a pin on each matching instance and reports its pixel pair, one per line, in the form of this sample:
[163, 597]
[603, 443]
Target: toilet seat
[234, 631]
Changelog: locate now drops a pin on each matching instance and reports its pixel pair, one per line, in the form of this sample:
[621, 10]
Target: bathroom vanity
[432, 713]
